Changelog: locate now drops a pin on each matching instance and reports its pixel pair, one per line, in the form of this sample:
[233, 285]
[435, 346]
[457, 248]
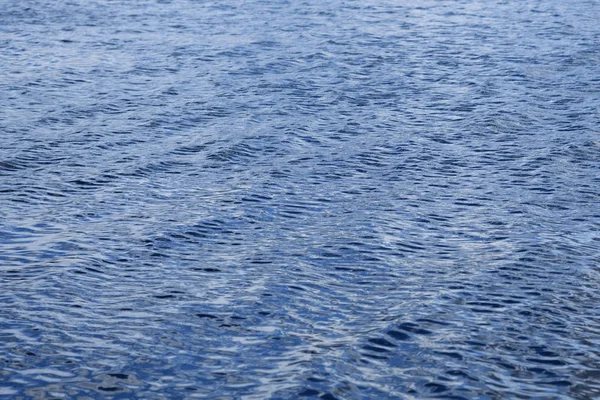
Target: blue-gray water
[281, 199]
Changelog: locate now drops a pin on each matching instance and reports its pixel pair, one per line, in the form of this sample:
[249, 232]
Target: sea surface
[271, 199]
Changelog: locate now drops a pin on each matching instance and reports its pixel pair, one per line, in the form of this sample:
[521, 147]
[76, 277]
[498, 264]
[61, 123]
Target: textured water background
[277, 199]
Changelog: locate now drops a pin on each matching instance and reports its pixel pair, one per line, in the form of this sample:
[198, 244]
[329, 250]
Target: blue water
[299, 199]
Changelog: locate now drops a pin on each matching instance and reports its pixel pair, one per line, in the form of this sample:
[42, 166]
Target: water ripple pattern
[280, 199]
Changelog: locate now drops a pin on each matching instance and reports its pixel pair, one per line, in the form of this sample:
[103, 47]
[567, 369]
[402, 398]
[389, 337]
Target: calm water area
[299, 199]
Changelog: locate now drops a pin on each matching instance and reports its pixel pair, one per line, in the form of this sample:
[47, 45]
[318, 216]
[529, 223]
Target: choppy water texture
[299, 199]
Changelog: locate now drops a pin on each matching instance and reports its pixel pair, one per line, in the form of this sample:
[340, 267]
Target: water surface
[299, 199]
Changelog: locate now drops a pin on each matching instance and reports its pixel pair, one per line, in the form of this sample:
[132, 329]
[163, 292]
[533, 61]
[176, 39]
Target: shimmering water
[299, 199]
